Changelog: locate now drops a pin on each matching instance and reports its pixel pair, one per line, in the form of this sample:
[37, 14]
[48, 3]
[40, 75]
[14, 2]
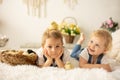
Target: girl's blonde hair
[51, 33]
[102, 33]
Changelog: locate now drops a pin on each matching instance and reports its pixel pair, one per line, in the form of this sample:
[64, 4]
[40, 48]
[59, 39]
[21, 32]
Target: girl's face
[96, 46]
[53, 46]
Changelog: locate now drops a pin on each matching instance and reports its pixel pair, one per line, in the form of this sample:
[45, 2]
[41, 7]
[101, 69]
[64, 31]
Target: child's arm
[47, 63]
[49, 60]
[58, 61]
[83, 64]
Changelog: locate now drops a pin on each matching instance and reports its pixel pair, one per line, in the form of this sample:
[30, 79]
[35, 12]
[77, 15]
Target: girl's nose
[53, 49]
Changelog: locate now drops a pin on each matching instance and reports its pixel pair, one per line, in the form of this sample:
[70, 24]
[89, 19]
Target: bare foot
[81, 39]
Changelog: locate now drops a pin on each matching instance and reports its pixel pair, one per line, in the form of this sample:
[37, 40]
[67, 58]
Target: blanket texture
[115, 52]
[29, 72]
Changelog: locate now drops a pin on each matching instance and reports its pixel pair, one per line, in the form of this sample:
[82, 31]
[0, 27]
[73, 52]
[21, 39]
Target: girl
[52, 52]
[93, 56]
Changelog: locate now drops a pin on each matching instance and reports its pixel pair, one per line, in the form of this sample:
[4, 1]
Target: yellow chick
[54, 25]
[68, 66]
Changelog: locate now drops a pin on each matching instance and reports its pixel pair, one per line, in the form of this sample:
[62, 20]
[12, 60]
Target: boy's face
[96, 46]
[54, 47]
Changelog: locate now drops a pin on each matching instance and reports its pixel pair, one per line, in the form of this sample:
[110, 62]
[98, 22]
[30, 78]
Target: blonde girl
[52, 52]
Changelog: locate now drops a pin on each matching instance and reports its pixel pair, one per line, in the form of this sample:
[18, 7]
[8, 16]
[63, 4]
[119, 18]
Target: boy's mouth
[91, 50]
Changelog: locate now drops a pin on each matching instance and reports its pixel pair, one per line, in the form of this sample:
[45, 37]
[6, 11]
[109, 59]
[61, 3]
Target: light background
[22, 29]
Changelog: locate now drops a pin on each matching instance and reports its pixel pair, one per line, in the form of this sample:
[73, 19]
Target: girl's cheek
[48, 52]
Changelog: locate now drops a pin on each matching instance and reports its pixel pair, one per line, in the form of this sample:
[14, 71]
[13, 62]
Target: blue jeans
[76, 51]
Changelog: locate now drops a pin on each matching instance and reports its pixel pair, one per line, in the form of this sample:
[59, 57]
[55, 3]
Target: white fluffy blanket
[28, 72]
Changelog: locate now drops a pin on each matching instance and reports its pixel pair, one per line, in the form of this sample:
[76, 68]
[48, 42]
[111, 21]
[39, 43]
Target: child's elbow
[81, 65]
[109, 69]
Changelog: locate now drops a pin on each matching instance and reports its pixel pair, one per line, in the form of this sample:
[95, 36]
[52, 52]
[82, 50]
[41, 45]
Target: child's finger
[45, 52]
[61, 52]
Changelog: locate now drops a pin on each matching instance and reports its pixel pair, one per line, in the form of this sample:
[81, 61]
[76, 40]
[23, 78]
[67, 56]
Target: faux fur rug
[28, 72]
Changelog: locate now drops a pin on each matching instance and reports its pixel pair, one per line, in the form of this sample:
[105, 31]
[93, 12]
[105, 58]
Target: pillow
[115, 52]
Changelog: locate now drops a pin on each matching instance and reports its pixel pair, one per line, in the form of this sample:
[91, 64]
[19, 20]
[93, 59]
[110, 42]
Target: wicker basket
[69, 39]
[69, 20]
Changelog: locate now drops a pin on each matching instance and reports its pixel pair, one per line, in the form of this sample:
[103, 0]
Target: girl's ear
[105, 51]
[42, 46]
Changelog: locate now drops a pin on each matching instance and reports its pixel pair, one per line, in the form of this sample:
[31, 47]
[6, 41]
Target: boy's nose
[92, 46]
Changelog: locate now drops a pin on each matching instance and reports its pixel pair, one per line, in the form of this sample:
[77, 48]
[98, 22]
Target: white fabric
[27, 72]
[85, 55]
[105, 60]
[115, 52]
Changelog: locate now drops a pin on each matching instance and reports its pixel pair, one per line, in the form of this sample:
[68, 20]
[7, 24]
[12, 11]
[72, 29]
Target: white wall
[21, 28]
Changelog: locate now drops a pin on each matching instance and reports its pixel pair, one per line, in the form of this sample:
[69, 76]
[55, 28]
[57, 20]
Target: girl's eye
[57, 46]
[49, 46]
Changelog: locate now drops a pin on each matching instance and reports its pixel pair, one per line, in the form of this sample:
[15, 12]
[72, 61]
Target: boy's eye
[97, 45]
[91, 41]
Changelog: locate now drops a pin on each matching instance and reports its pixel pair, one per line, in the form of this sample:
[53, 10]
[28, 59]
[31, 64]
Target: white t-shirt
[85, 55]
[66, 57]
[105, 59]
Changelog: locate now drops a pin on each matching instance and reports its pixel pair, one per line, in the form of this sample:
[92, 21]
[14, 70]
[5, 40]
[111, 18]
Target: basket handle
[70, 19]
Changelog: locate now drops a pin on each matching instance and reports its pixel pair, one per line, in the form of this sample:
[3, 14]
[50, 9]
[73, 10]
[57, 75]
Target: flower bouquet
[69, 30]
[110, 25]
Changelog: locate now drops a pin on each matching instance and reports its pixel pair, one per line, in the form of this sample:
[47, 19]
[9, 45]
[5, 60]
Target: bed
[30, 72]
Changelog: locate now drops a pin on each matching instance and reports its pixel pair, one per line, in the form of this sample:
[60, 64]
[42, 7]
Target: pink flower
[109, 21]
[111, 25]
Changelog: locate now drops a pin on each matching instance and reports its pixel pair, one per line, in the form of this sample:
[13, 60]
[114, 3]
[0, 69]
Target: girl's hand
[60, 53]
[58, 61]
[45, 52]
[49, 60]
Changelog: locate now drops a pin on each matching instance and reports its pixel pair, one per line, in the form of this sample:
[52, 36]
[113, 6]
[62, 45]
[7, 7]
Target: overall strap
[98, 59]
[90, 58]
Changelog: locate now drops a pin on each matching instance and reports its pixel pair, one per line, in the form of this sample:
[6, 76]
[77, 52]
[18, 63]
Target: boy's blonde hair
[51, 33]
[102, 33]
